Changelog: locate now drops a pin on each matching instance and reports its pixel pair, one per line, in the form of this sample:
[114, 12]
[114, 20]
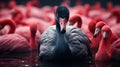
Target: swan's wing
[79, 43]
[47, 42]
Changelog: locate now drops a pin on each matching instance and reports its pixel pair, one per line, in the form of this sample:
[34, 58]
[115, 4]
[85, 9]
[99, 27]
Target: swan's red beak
[63, 23]
[97, 31]
[105, 35]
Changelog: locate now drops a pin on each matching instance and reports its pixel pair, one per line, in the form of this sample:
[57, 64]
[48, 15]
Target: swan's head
[62, 16]
[98, 28]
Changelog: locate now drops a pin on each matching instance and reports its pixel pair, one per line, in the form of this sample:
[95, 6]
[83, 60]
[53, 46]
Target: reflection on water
[107, 64]
[26, 60]
[98, 64]
[65, 65]
[31, 60]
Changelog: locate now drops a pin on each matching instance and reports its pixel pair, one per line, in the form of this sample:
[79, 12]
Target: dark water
[31, 60]
[25, 60]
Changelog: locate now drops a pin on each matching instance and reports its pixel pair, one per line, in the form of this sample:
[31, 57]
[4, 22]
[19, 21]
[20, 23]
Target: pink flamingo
[97, 37]
[77, 21]
[18, 18]
[15, 43]
[109, 6]
[91, 28]
[84, 11]
[97, 21]
[115, 29]
[114, 21]
[109, 46]
[114, 18]
[92, 23]
[42, 24]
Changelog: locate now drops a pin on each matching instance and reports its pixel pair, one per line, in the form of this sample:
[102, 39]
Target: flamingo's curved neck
[75, 19]
[87, 9]
[33, 30]
[113, 38]
[11, 24]
[117, 15]
[17, 15]
[109, 6]
[91, 26]
[118, 19]
[28, 9]
[102, 54]
[33, 42]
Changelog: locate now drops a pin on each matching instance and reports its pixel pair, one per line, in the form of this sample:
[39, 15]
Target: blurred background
[58, 2]
[41, 12]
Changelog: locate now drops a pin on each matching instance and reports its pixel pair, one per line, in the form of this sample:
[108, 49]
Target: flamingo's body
[15, 43]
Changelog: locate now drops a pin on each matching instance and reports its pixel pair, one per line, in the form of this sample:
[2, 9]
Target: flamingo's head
[98, 28]
[33, 28]
[12, 4]
[74, 19]
[92, 23]
[106, 32]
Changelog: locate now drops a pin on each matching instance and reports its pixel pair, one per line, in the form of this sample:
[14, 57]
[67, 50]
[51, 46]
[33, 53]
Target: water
[26, 60]
[31, 60]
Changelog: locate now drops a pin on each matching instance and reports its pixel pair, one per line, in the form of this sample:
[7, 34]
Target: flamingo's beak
[0, 27]
[71, 23]
[63, 23]
[111, 15]
[97, 31]
[105, 35]
[13, 11]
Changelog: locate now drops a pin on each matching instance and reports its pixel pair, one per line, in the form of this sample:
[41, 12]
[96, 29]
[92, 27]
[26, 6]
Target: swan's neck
[61, 50]
[61, 40]
[61, 37]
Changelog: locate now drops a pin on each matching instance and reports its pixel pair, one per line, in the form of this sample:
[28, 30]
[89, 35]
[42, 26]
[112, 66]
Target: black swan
[63, 43]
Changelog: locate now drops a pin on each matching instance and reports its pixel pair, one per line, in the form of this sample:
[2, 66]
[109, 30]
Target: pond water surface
[31, 60]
